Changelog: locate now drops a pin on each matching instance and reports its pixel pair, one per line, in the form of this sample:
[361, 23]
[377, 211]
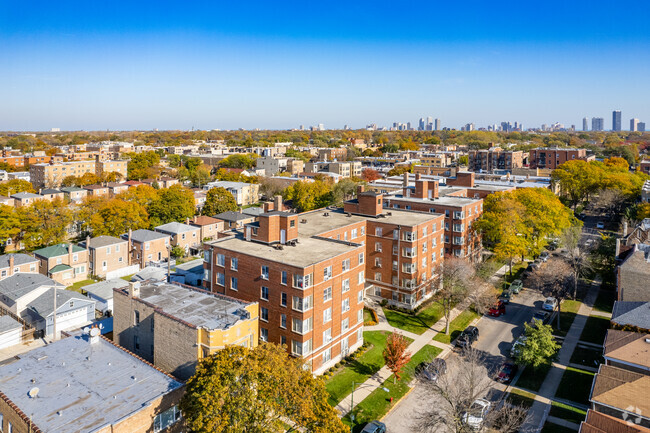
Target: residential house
[115, 188]
[147, 246]
[597, 422]
[17, 291]
[11, 264]
[65, 263]
[74, 194]
[233, 219]
[166, 182]
[51, 194]
[174, 327]
[26, 198]
[244, 193]
[200, 196]
[73, 311]
[97, 190]
[108, 257]
[86, 383]
[627, 350]
[631, 316]
[209, 227]
[185, 236]
[7, 201]
[102, 293]
[633, 274]
[10, 332]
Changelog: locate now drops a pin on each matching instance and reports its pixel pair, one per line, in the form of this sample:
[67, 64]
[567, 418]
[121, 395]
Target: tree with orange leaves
[395, 354]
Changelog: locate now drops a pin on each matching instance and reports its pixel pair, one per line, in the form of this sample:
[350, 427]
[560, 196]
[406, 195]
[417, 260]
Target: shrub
[383, 302]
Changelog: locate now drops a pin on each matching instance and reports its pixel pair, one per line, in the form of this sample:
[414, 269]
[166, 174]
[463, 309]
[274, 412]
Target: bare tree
[577, 256]
[610, 200]
[466, 381]
[271, 187]
[458, 281]
[553, 279]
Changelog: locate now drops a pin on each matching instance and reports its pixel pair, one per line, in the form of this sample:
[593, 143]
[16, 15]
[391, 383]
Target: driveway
[496, 337]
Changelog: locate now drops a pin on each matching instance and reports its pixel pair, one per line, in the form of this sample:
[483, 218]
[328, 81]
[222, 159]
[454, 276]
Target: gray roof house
[102, 293]
[13, 263]
[633, 274]
[17, 291]
[144, 235]
[73, 310]
[10, 332]
[631, 314]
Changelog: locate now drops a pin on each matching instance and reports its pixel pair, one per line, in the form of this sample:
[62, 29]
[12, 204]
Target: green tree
[239, 389]
[14, 186]
[218, 200]
[343, 190]
[193, 163]
[175, 203]
[9, 224]
[143, 165]
[308, 196]
[539, 346]
[174, 160]
[200, 176]
[577, 179]
[239, 161]
[458, 283]
[44, 223]
[177, 252]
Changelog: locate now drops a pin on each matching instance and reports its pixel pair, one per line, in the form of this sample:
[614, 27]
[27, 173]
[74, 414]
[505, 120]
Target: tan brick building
[106, 255]
[310, 271]
[13, 263]
[494, 159]
[52, 174]
[174, 327]
[181, 235]
[82, 384]
[209, 226]
[147, 246]
[64, 263]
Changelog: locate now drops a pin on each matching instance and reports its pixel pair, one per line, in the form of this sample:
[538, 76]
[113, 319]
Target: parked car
[544, 256]
[467, 337]
[550, 304]
[431, 370]
[600, 225]
[531, 267]
[541, 315]
[476, 413]
[553, 244]
[516, 286]
[497, 309]
[506, 372]
[505, 296]
[516, 346]
[374, 427]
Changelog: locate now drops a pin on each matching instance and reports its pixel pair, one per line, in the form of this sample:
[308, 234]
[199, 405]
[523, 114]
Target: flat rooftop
[199, 308]
[81, 386]
[443, 201]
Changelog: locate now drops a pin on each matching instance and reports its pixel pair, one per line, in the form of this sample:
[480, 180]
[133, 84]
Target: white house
[102, 293]
[10, 332]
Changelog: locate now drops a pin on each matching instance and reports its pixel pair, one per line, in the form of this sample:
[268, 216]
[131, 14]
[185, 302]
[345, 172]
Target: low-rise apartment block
[174, 327]
[552, 158]
[11, 264]
[64, 263]
[75, 194]
[52, 174]
[244, 193]
[147, 246]
[26, 198]
[108, 256]
[185, 236]
[494, 159]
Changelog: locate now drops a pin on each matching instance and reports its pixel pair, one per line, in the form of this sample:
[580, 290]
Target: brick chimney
[187, 220]
[88, 246]
[70, 254]
[421, 188]
[134, 289]
[405, 180]
[11, 264]
[277, 203]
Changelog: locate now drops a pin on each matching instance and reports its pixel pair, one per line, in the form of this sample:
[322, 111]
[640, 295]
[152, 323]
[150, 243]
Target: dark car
[431, 370]
[543, 316]
[374, 427]
[497, 309]
[505, 296]
[467, 337]
[506, 372]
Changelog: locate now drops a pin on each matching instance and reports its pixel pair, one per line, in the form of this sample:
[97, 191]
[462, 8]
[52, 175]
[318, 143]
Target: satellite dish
[33, 392]
[94, 332]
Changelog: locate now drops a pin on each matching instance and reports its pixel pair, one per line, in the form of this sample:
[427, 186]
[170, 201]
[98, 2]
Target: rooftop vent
[326, 214]
[303, 221]
[33, 392]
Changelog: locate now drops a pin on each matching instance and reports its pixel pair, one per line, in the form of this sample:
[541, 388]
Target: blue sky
[102, 64]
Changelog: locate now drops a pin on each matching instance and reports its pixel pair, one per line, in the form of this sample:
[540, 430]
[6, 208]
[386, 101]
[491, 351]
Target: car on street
[506, 372]
[531, 268]
[541, 315]
[431, 370]
[544, 256]
[498, 309]
[550, 304]
[467, 337]
[505, 296]
[516, 286]
[600, 225]
[516, 346]
[374, 427]
[475, 415]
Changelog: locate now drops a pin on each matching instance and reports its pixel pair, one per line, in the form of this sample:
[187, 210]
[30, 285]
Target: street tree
[577, 256]
[539, 347]
[458, 282]
[218, 200]
[239, 389]
[395, 354]
[370, 174]
[553, 278]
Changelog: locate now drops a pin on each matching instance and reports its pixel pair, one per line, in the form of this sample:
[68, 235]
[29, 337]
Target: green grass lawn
[589, 357]
[605, 301]
[521, 398]
[457, 326]
[517, 270]
[532, 379]
[575, 385]
[377, 404]
[367, 316]
[549, 427]
[568, 312]
[359, 370]
[415, 323]
[566, 412]
[79, 284]
[595, 329]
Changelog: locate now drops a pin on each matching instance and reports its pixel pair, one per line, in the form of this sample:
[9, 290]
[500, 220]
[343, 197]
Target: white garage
[10, 332]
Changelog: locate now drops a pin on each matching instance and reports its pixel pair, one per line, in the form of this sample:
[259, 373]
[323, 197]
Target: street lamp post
[352, 399]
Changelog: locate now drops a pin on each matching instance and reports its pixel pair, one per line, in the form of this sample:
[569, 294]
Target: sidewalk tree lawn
[576, 256]
[539, 347]
[395, 354]
[553, 278]
[239, 389]
[459, 283]
[218, 200]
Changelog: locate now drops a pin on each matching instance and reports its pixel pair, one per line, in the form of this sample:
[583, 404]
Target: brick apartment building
[333, 153]
[185, 236]
[494, 159]
[310, 271]
[51, 175]
[552, 158]
[107, 254]
[64, 263]
[146, 246]
[174, 327]
[644, 166]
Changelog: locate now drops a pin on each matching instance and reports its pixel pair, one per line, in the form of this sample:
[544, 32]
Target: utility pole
[54, 317]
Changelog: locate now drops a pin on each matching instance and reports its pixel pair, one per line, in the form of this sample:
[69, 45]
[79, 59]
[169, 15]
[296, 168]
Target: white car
[475, 415]
[516, 346]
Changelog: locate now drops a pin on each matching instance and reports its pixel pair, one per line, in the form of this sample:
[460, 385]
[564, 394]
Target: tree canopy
[14, 186]
[218, 200]
[308, 196]
[175, 203]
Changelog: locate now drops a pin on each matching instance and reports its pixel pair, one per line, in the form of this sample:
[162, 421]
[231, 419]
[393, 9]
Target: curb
[397, 403]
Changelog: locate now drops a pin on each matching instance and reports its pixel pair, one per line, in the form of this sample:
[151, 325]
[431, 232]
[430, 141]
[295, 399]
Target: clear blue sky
[99, 64]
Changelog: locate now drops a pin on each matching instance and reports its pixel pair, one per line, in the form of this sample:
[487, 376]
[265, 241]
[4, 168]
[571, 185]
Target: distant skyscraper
[634, 124]
[321, 127]
[408, 126]
[421, 124]
[585, 124]
[597, 124]
[437, 125]
[641, 127]
[616, 120]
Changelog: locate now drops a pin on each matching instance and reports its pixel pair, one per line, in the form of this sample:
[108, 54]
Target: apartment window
[409, 268]
[433, 257]
[395, 296]
[283, 278]
[409, 236]
[345, 325]
[378, 247]
[378, 262]
[120, 259]
[264, 314]
[394, 250]
[361, 277]
[378, 231]
[424, 247]
[409, 252]
[264, 293]
[136, 317]
[301, 349]
[233, 283]
[327, 315]
[283, 339]
[327, 294]
[424, 231]
[346, 265]
[206, 256]
[283, 321]
[327, 273]
[433, 227]
[359, 316]
[353, 234]
[301, 326]
[302, 304]
[221, 260]
[234, 263]
[264, 334]
[446, 225]
[302, 281]
[283, 299]
[447, 213]
[361, 258]
[345, 285]
[265, 272]
[377, 276]
[360, 297]
[221, 279]
[434, 242]
[345, 305]
[327, 335]
[327, 355]
[424, 262]
[75, 257]
[136, 342]
[396, 234]
[458, 227]
[409, 283]
[292, 223]
[360, 335]
[166, 419]
[363, 231]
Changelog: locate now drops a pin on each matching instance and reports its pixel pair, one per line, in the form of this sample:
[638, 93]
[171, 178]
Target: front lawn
[367, 317]
[359, 370]
[517, 270]
[532, 379]
[589, 357]
[575, 385]
[412, 322]
[568, 311]
[566, 412]
[76, 287]
[457, 326]
[605, 301]
[595, 330]
[378, 403]
[518, 397]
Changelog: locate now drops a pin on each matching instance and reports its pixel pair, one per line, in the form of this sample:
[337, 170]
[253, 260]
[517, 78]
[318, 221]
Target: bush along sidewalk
[351, 357]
